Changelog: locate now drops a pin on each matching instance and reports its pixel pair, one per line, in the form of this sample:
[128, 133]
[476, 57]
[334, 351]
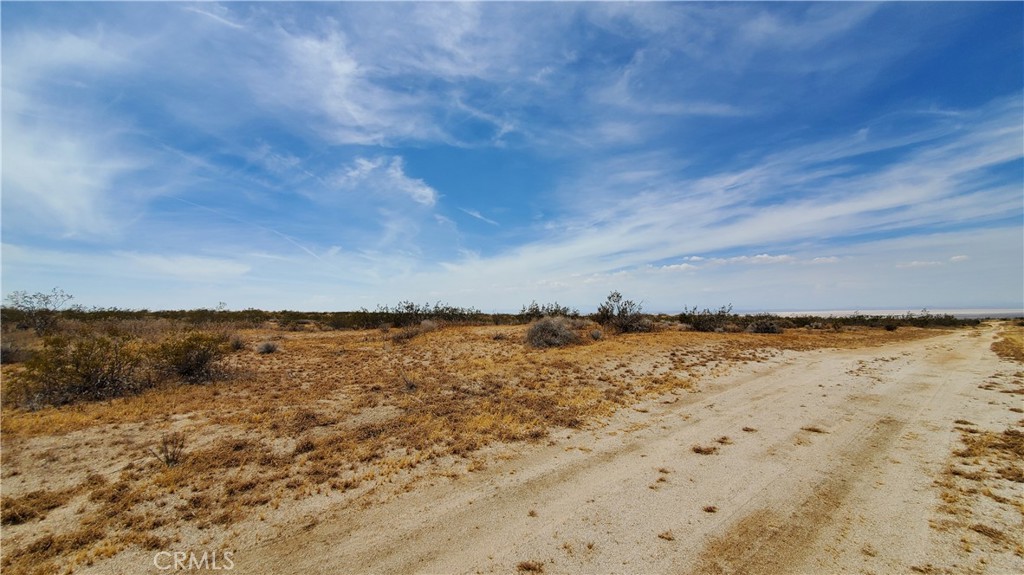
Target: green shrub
[534, 311]
[85, 366]
[191, 356]
[764, 323]
[706, 320]
[551, 332]
[624, 316]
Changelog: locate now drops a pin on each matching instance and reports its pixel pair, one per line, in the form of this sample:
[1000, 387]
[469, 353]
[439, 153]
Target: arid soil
[462, 450]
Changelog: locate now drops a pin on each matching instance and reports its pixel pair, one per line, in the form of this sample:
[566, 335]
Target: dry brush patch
[1011, 342]
[985, 474]
[332, 414]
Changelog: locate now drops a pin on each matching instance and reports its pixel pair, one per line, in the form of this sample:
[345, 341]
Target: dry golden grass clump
[1011, 342]
[530, 567]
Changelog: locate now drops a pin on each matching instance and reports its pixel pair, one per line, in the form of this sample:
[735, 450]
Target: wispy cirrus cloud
[386, 177]
[476, 214]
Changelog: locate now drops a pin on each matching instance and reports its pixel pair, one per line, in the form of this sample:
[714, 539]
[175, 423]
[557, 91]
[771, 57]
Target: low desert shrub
[764, 323]
[84, 366]
[191, 356]
[236, 343]
[622, 315]
[266, 347]
[171, 450]
[707, 320]
[535, 311]
[551, 332]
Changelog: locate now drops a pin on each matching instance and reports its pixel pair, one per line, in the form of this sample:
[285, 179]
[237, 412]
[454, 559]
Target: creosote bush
[535, 311]
[85, 366]
[191, 356]
[551, 332]
[266, 347]
[764, 323]
[625, 316]
[95, 365]
[707, 320]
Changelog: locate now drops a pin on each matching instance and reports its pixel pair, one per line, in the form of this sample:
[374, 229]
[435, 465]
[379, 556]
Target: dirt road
[819, 462]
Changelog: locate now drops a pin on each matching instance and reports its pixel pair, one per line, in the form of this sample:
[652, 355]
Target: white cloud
[476, 214]
[186, 267]
[761, 259]
[919, 264]
[678, 267]
[62, 163]
[956, 259]
[386, 177]
[216, 13]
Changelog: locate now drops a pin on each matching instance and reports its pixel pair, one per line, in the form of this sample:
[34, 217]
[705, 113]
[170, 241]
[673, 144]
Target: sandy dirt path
[824, 462]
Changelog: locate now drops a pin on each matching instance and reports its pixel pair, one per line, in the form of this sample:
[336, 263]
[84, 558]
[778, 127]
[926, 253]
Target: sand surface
[827, 461]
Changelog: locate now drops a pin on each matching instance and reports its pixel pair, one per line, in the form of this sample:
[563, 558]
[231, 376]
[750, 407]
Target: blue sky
[328, 156]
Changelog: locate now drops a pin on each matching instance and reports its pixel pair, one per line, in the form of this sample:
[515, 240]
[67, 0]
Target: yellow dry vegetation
[332, 412]
[1011, 342]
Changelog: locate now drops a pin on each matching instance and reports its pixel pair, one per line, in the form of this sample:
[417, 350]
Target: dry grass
[337, 415]
[989, 464]
[32, 505]
[704, 449]
[1011, 342]
[530, 567]
[987, 531]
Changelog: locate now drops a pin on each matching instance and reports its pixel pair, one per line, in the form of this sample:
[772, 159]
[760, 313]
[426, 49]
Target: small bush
[625, 316]
[191, 357]
[171, 450]
[266, 347]
[86, 366]
[236, 343]
[764, 323]
[551, 332]
[596, 334]
[891, 327]
[535, 311]
[707, 320]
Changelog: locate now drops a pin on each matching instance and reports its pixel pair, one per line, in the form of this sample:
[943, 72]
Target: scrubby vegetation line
[71, 354]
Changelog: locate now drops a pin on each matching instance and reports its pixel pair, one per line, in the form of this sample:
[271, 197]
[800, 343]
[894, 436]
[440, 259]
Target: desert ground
[462, 450]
